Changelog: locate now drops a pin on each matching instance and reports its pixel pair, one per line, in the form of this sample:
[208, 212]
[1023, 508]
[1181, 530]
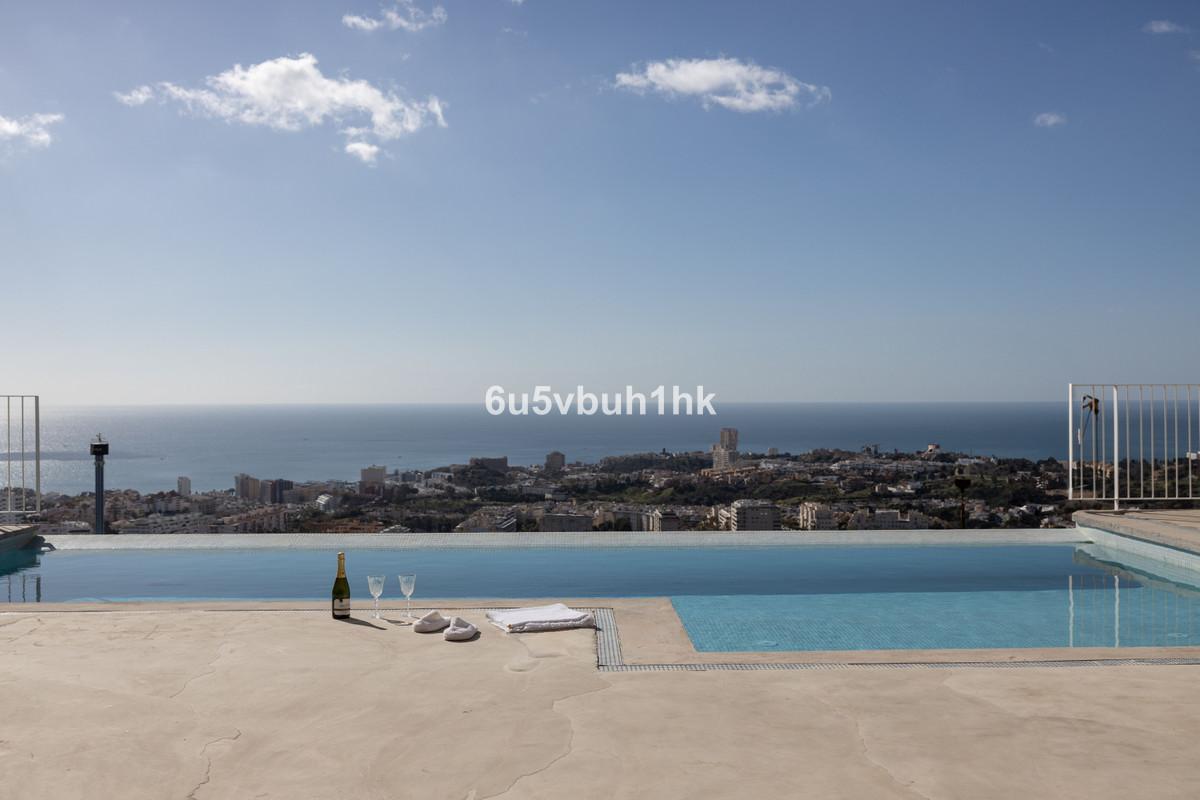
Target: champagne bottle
[341, 591]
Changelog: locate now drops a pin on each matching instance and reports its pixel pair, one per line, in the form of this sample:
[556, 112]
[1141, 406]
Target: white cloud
[403, 16]
[290, 94]
[726, 82]
[1050, 119]
[363, 151]
[1194, 55]
[31, 131]
[1163, 26]
[135, 97]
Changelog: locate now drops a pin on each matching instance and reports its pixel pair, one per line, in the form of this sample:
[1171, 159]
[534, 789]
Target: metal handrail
[1135, 441]
[16, 405]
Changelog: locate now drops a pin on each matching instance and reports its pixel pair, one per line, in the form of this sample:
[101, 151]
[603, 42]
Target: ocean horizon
[151, 445]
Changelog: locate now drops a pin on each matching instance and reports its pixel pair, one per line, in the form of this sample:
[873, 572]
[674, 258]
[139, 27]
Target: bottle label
[341, 608]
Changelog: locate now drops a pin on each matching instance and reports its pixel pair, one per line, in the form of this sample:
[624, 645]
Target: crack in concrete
[34, 629]
[208, 761]
[866, 749]
[212, 669]
[221, 653]
[570, 743]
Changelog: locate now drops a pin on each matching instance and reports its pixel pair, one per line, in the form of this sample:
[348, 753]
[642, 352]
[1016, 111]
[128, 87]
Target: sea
[151, 446]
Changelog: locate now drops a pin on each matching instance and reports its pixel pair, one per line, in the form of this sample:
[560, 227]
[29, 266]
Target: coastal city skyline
[721, 488]
[412, 201]
[152, 446]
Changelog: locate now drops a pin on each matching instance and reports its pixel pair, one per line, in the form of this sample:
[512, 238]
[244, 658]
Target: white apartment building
[886, 519]
[816, 517]
[723, 457]
[259, 520]
[725, 452]
[183, 485]
[664, 520]
[167, 504]
[752, 515]
[167, 523]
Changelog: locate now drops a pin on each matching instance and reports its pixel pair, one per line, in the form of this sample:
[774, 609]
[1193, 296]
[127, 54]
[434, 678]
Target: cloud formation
[135, 97]
[403, 16]
[726, 82]
[363, 151]
[290, 94]
[1050, 119]
[1163, 26]
[29, 131]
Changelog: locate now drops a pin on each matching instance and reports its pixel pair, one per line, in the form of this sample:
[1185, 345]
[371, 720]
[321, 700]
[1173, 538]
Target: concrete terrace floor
[160, 701]
[1177, 528]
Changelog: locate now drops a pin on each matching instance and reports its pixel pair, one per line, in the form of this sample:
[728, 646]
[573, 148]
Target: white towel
[460, 631]
[431, 623]
[554, 617]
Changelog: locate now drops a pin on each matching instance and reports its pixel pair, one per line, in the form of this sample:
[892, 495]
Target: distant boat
[14, 537]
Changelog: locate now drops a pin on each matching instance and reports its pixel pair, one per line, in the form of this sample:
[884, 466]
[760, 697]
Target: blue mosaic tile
[1087, 617]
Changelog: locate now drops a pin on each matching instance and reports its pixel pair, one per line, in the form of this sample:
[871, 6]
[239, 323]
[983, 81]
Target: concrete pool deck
[192, 701]
[1175, 528]
[276, 700]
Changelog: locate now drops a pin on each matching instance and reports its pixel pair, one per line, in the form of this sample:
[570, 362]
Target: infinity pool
[728, 598]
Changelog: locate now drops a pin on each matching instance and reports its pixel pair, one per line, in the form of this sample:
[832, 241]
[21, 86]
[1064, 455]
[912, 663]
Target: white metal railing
[1133, 441]
[22, 464]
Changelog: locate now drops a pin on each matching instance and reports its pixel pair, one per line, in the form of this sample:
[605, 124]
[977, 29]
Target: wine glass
[407, 584]
[375, 584]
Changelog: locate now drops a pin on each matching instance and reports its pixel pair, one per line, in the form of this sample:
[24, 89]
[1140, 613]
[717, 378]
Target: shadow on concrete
[354, 621]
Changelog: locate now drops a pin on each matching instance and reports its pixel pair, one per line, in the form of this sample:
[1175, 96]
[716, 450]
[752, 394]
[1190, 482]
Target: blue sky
[780, 201]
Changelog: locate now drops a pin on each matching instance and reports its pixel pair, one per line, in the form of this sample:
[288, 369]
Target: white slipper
[460, 630]
[431, 623]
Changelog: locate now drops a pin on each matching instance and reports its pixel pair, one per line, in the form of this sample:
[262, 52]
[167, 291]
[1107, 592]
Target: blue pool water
[943, 620]
[728, 598]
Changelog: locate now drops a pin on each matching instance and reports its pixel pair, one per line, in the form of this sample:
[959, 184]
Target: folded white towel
[431, 623]
[554, 617]
[460, 630]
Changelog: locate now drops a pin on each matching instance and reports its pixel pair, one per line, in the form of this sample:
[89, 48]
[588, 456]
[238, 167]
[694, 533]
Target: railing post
[1070, 441]
[37, 449]
[1116, 412]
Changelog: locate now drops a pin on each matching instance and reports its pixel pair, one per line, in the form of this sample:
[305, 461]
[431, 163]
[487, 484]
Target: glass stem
[376, 608]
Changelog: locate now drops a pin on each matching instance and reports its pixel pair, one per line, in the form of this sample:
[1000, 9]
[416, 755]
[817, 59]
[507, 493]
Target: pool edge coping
[610, 657]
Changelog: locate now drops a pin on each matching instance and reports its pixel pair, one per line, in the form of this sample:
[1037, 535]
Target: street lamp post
[963, 482]
[99, 450]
